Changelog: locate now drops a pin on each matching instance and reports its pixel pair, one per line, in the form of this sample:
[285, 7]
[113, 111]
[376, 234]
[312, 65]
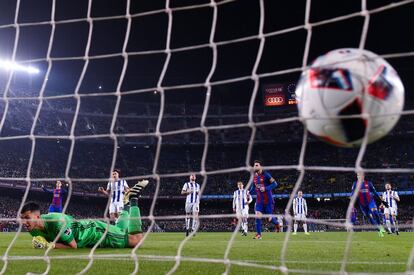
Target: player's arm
[353, 189]
[294, 206]
[305, 206]
[396, 197]
[249, 198]
[126, 187]
[234, 201]
[103, 191]
[65, 190]
[46, 190]
[273, 183]
[71, 245]
[375, 193]
[185, 191]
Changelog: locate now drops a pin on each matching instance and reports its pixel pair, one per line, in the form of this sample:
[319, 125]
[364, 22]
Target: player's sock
[244, 227]
[135, 223]
[123, 220]
[295, 227]
[372, 220]
[377, 217]
[305, 228]
[395, 223]
[388, 223]
[194, 224]
[187, 224]
[259, 226]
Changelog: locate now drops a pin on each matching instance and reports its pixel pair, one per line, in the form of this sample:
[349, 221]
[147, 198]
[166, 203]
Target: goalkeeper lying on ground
[77, 234]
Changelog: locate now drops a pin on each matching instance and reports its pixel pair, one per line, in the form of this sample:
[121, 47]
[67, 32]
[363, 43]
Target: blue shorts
[264, 208]
[366, 209]
[55, 209]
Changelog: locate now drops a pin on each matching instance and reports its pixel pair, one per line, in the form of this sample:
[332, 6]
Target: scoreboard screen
[279, 94]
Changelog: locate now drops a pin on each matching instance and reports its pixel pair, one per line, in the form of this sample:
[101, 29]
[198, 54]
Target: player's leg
[269, 210]
[387, 220]
[51, 208]
[135, 223]
[188, 208]
[258, 211]
[305, 225]
[375, 213]
[295, 224]
[195, 210]
[123, 220]
[376, 218]
[395, 222]
[112, 211]
[245, 216]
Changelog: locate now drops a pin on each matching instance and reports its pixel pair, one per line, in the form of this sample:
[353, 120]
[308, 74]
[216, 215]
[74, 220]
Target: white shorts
[242, 212]
[192, 208]
[116, 207]
[300, 217]
[391, 211]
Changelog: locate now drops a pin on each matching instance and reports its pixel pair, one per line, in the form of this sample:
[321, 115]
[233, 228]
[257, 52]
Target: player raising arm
[115, 189]
[263, 184]
[86, 233]
[58, 192]
[300, 211]
[241, 201]
[391, 197]
[191, 189]
[366, 201]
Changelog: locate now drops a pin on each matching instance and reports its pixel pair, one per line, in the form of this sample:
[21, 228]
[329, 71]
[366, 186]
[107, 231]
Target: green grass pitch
[317, 252]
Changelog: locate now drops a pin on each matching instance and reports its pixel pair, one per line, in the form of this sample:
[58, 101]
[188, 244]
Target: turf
[317, 252]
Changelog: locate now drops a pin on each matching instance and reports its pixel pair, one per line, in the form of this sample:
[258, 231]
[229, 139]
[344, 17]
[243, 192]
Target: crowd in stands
[274, 144]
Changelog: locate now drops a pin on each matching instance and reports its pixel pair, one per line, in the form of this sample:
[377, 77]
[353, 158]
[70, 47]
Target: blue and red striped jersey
[366, 192]
[57, 195]
[263, 180]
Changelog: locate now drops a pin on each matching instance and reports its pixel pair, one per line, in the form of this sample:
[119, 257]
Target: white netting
[255, 76]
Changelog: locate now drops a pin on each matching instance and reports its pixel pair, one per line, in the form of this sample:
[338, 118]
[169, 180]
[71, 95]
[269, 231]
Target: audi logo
[276, 99]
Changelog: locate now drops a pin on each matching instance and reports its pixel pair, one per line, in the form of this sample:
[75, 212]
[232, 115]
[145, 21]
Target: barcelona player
[58, 192]
[263, 184]
[366, 201]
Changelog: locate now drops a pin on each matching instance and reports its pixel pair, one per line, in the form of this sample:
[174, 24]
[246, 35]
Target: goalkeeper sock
[259, 226]
[135, 223]
[123, 220]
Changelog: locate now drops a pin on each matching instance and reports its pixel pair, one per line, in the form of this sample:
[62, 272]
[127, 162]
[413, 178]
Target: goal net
[164, 89]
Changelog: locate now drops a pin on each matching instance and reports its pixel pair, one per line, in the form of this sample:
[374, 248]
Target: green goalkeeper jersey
[86, 233]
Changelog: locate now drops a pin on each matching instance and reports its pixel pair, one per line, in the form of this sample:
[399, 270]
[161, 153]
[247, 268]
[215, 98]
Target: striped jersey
[57, 195]
[300, 206]
[241, 199]
[366, 192]
[194, 196]
[117, 190]
[263, 180]
[388, 196]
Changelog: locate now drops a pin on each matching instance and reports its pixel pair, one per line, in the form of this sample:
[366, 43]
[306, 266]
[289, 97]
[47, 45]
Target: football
[347, 93]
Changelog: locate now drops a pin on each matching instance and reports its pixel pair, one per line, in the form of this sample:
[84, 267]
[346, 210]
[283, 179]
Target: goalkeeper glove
[40, 242]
